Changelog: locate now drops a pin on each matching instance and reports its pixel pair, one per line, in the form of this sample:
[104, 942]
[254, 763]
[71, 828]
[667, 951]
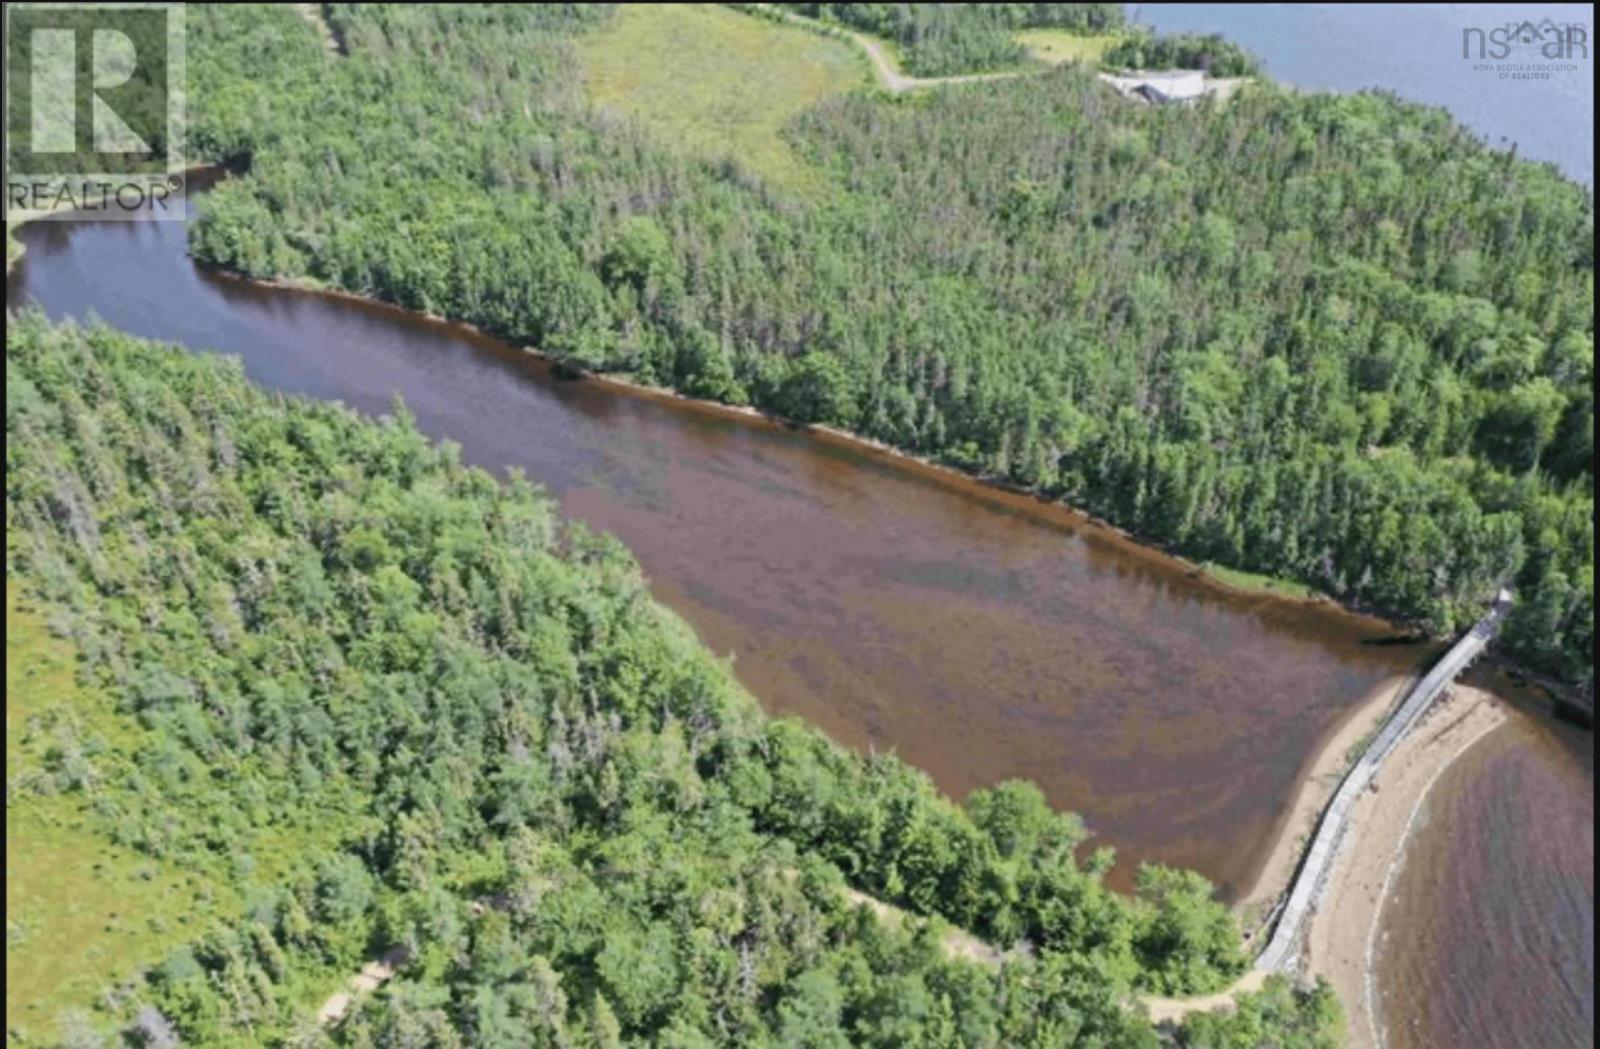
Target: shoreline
[1314, 788]
[14, 223]
[995, 489]
[992, 489]
[1342, 932]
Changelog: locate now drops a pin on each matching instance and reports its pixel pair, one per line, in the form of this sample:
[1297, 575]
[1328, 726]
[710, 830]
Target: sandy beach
[1327, 767]
[1343, 931]
[1340, 937]
[1321, 779]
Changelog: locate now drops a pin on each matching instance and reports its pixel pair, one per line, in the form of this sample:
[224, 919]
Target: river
[978, 633]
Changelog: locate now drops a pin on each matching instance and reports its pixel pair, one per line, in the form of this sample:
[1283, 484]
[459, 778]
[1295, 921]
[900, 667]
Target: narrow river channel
[980, 634]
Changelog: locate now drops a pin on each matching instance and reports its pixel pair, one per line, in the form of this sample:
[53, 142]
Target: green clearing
[718, 83]
[1259, 584]
[81, 911]
[1057, 46]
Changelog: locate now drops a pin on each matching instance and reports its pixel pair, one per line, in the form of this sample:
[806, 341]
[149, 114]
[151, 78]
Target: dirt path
[1173, 1010]
[896, 82]
[891, 79]
[372, 976]
[313, 13]
[957, 943]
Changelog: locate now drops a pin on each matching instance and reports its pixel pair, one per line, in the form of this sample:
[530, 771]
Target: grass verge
[1259, 584]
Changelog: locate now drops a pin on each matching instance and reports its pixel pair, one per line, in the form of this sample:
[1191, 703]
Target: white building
[1179, 85]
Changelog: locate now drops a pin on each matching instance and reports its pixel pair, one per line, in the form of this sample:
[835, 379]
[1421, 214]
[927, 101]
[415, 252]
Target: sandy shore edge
[1314, 789]
[1341, 931]
[1341, 934]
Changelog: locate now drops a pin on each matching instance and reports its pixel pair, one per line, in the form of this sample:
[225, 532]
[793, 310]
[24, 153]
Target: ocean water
[1415, 50]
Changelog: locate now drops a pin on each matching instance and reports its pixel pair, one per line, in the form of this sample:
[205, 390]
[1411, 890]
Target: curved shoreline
[1339, 941]
[995, 489]
[1315, 786]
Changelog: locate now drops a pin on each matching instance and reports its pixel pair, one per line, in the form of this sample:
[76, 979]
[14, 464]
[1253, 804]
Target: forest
[1216, 55]
[1333, 339]
[496, 753]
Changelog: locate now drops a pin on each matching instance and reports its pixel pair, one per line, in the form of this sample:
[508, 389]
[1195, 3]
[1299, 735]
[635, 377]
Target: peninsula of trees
[364, 697]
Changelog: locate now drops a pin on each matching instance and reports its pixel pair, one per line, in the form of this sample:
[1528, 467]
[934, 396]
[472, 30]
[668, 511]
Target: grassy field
[80, 911]
[718, 83]
[1260, 584]
[1055, 46]
[83, 912]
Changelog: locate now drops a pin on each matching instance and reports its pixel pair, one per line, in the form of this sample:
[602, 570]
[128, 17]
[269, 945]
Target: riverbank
[1341, 941]
[21, 217]
[1342, 938]
[1317, 784]
[1222, 579]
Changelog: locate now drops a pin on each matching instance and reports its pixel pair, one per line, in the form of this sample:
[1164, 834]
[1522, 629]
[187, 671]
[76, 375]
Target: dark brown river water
[1488, 930]
[980, 634]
